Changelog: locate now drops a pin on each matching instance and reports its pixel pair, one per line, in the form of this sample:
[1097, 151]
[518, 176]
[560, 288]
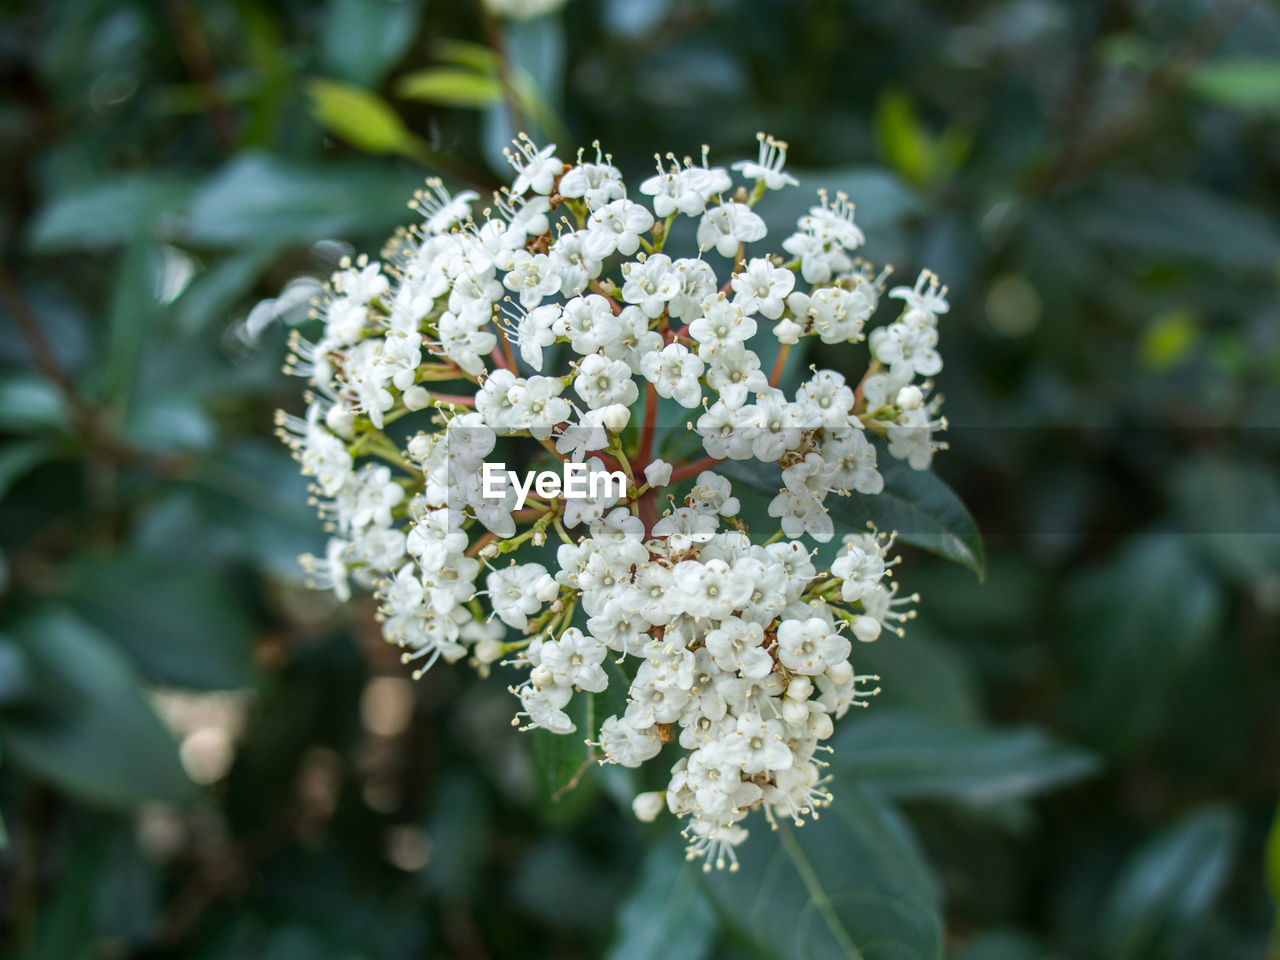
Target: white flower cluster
[558, 317]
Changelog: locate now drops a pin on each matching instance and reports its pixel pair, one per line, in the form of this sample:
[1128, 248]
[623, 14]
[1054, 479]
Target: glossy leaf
[181, 625]
[29, 403]
[363, 39]
[259, 198]
[1140, 625]
[666, 915]
[91, 730]
[1168, 885]
[796, 898]
[923, 510]
[903, 754]
[108, 214]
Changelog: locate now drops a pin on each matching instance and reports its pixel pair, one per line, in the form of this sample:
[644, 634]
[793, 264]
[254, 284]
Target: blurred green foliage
[1079, 758]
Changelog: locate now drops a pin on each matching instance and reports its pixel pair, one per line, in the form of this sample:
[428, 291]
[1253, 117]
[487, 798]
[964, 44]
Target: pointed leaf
[850, 885]
[451, 87]
[90, 729]
[358, 116]
[907, 755]
[1168, 886]
[666, 915]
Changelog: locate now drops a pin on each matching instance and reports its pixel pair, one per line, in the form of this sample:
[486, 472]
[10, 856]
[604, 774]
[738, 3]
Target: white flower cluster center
[557, 316]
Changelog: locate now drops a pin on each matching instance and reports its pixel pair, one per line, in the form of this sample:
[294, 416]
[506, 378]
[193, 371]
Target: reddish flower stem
[649, 429]
[779, 364]
[685, 471]
[461, 399]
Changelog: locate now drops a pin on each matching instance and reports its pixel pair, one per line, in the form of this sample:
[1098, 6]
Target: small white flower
[768, 167]
[674, 373]
[618, 225]
[536, 169]
[597, 183]
[726, 227]
[601, 382]
[650, 284]
[762, 288]
[925, 300]
[532, 277]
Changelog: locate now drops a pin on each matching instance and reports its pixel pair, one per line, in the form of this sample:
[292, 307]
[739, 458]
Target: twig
[576, 778]
[193, 48]
[87, 422]
[42, 352]
[1170, 74]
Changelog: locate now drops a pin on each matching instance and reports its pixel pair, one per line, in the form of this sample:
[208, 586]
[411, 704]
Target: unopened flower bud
[546, 588]
[795, 711]
[416, 397]
[647, 806]
[615, 416]
[541, 676]
[658, 473]
[840, 673]
[910, 398]
[341, 419]
[820, 725]
[866, 628]
[800, 688]
[488, 651]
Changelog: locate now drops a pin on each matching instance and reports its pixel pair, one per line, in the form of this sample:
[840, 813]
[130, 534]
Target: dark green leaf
[923, 510]
[109, 214]
[920, 674]
[20, 457]
[1168, 885]
[1273, 860]
[1140, 624]
[258, 199]
[180, 624]
[15, 674]
[130, 323]
[29, 403]
[363, 39]
[666, 915]
[247, 501]
[906, 755]
[169, 424]
[559, 758]
[66, 928]
[1184, 222]
[1234, 510]
[1001, 945]
[798, 895]
[92, 731]
[209, 300]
